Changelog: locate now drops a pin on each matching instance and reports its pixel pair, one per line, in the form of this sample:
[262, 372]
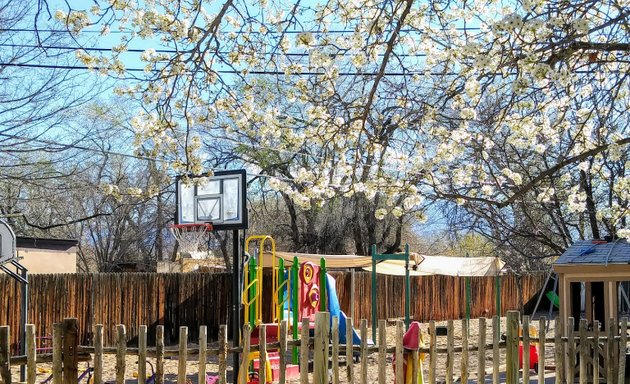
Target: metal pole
[323, 302]
[295, 306]
[236, 302]
[542, 292]
[498, 294]
[24, 273]
[468, 294]
[352, 294]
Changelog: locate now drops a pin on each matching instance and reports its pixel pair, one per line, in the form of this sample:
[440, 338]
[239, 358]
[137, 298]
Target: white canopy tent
[420, 265]
[443, 265]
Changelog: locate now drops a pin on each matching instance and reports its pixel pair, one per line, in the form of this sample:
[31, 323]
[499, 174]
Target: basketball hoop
[190, 236]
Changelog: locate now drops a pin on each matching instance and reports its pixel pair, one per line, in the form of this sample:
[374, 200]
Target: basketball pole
[236, 307]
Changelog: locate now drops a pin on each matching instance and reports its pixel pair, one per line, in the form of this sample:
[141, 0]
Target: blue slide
[335, 310]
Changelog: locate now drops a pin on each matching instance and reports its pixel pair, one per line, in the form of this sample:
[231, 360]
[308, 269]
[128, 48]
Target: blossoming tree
[504, 108]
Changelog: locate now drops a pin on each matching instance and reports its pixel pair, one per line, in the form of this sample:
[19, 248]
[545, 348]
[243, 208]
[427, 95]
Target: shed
[601, 266]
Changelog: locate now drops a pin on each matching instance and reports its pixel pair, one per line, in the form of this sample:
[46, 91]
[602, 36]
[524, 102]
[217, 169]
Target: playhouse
[590, 275]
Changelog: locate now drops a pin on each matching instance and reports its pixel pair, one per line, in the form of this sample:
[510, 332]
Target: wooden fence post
[283, 350]
[570, 350]
[243, 371]
[183, 355]
[31, 354]
[464, 359]
[57, 358]
[304, 350]
[70, 357]
[5, 355]
[496, 339]
[382, 350]
[223, 345]
[450, 355]
[432, 352]
[322, 334]
[610, 351]
[142, 354]
[159, 354]
[583, 351]
[481, 352]
[203, 353]
[364, 352]
[558, 350]
[400, 352]
[98, 354]
[349, 354]
[335, 350]
[525, 349]
[623, 339]
[262, 353]
[121, 353]
[542, 335]
[596, 352]
[512, 360]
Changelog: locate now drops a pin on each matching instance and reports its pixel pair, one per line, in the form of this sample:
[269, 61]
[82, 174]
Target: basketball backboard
[219, 199]
[7, 243]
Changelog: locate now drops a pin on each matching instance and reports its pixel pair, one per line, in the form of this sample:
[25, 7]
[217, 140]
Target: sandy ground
[171, 365]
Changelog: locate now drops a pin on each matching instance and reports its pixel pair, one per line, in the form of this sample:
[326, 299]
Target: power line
[170, 51]
[278, 73]
[227, 71]
[139, 157]
[79, 147]
[269, 32]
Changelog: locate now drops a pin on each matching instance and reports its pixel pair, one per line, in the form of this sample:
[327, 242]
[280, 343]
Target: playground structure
[301, 287]
[298, 292]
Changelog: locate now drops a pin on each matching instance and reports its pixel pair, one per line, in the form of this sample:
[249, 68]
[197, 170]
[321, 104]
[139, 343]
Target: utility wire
[279, 73]
[270, 32]
[79, 147]
[226, 71]
[171, 51]
[139, 157]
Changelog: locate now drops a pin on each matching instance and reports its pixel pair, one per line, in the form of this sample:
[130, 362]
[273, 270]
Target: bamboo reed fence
[195, 299]
[602, 357]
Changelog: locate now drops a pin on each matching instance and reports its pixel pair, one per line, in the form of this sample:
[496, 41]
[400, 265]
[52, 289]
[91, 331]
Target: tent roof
[444, 265]
[420, 265]
[332, 261]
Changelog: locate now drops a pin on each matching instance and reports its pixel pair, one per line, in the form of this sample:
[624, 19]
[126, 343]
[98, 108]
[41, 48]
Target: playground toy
[412, 340]
[533, 349]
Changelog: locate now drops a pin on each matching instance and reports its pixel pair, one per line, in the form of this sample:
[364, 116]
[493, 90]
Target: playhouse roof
[596, 252]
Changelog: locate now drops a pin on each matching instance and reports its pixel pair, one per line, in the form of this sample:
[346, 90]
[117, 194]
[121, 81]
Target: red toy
[533, 357]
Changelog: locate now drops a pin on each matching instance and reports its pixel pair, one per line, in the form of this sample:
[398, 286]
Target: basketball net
[192, 239]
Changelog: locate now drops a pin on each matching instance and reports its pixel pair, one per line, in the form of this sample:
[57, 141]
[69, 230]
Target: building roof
[596, 252]
[49, 244]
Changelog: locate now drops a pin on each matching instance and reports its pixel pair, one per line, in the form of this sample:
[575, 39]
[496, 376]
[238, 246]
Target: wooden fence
[584, 356]
[196, 299]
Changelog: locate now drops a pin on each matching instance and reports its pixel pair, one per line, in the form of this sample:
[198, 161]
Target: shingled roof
[596, 252]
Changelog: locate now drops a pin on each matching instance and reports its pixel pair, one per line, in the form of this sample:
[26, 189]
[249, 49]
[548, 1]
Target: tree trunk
[590, 205]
